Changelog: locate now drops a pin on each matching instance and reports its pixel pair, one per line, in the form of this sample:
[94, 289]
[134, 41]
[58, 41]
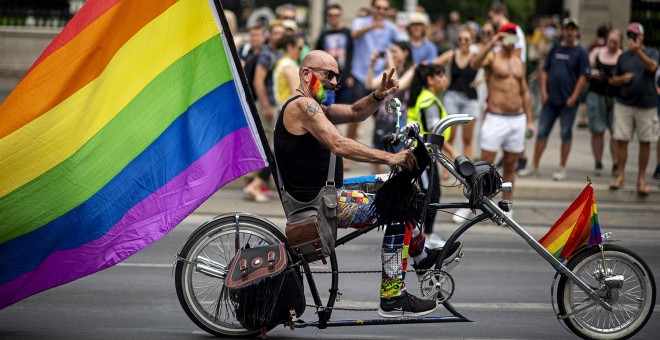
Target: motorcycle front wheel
[632, 295]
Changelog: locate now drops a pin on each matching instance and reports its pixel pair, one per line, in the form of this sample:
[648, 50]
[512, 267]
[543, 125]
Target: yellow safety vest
[424, 100]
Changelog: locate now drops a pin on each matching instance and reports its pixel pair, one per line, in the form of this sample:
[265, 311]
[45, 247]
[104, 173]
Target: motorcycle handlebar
[440, 127]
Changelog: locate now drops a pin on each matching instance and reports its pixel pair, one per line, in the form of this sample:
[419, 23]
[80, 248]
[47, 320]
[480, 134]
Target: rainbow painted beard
[321, 94]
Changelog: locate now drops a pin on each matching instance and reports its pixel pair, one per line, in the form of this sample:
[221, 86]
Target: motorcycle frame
[489, 209]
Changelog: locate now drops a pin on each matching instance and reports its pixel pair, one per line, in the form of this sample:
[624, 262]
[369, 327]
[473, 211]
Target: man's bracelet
[373, 94]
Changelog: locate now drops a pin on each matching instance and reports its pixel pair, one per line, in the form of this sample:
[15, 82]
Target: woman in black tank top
[600, 98]
[461, 95]
[600, 76]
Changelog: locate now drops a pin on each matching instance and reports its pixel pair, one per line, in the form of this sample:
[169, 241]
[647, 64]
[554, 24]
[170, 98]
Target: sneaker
[656, 174]
[431, 259]
[258, 197]
[461, 215]
[405, 305]
[559, 175]
[598, 169]
[531, 171]
[434, 241]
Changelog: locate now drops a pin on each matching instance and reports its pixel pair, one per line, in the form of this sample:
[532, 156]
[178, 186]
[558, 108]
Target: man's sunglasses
[329, 75]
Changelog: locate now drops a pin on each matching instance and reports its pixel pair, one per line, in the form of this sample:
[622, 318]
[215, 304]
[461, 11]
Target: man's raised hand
[388, 85]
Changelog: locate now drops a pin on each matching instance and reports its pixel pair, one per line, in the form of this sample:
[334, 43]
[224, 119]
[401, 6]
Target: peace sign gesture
[388, 85]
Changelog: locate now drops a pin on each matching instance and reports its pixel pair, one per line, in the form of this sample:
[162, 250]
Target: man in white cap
[635, 110]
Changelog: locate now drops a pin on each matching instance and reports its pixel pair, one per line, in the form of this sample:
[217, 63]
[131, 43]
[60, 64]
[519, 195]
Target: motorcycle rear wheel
[203, 264]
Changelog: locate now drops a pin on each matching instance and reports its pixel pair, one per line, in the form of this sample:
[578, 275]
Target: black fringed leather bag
[262, 289]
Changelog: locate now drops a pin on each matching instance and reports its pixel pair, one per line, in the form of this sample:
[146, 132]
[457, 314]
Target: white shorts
[503, 131]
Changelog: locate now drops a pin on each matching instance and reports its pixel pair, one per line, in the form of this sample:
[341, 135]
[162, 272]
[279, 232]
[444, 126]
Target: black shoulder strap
[289, 101]
[331, 170]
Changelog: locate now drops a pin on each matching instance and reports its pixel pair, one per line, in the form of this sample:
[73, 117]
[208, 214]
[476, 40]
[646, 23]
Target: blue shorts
[550, 113]
[600, 110]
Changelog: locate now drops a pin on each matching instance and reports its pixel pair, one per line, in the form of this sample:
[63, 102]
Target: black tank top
[303, 161]
[461, 78]
[602, 86]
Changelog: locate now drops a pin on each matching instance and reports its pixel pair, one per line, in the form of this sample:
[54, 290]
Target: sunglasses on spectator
[329, 75]
[381, 8]
[463, 39]
[487, 32]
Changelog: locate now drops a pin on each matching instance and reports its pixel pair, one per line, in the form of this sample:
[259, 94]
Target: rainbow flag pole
[131, 118]
[577, 227]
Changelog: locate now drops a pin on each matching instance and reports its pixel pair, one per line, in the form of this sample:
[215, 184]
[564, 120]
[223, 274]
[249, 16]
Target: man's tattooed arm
[312, 108]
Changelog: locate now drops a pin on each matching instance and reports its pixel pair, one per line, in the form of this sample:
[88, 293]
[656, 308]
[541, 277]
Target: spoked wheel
[203, 264]
[628, 287]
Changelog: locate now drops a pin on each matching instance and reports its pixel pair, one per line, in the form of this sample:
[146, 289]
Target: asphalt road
[502, 285]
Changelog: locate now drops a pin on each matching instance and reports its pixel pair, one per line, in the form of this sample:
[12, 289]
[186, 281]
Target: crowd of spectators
[618, 90]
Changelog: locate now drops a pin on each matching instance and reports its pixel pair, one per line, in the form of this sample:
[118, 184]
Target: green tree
[520, 11]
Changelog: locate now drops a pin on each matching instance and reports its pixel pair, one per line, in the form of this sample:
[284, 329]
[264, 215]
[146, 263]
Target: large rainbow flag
[132, 117]
[576, 226]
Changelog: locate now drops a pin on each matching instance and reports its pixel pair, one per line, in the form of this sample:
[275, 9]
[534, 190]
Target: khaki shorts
[629, 119]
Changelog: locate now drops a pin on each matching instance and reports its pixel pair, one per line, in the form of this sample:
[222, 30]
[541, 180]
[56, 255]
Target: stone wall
[20, 47]
[591, 13]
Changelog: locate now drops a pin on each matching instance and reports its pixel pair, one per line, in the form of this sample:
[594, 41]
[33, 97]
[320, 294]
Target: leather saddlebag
[261, 287]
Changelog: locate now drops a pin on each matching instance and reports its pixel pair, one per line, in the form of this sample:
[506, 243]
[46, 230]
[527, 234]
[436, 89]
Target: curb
[568, 191]
[532, 189]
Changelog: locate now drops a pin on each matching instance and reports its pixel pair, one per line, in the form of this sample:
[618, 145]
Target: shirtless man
[509, 114]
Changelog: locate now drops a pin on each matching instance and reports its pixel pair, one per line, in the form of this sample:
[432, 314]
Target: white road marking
[144, 265]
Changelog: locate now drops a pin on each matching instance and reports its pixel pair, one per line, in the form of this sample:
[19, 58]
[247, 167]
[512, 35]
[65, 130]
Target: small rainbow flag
[132, 117]
[576, 226]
